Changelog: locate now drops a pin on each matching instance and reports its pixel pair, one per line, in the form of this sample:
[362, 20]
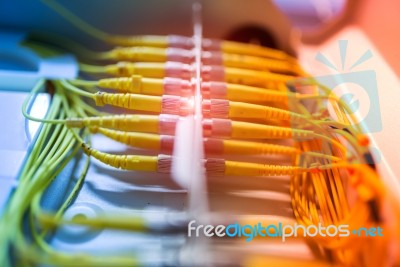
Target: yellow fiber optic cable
[174, 86]
[247, 130]
[208, 44]
[154, 54]
[252, 77]
[137, 54]
[255, 95]
[166, 41]
[148, 86]
[245, 76]
[221, 167]
[185, 71]
[253, 50]
[147, 69]
[140, 140]
[244, 93]
[126, 162]
[150, 54]
[214, 167]
[219, 108]
[163, 124]
[166, 104]
[126, 69]
[243, 61]
[211, 145]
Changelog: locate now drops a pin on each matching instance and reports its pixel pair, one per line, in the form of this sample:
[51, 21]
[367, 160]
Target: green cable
[76, 21]
[85, 83]
[33, 185]
[34, 92]
[44, 130]
[38, 184]
[91, 68]
[75, 89]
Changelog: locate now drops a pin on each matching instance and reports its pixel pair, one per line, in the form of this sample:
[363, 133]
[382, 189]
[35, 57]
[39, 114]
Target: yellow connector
[220, 167]
[256, 148]
[254, 169]
[130, 101]
[150, 54]
[244, 93]
[162, 124]
[135, 84]
[136, 123]
[255, 78]
[125, 162]
[146, 69]
[243, 61]
[139, 40]
[151, 69]
[138, 54]
[140, 140]
[220, 108]
[258, 63]
[245, 130]
[253, 50]
[244, 76]
[148, 86]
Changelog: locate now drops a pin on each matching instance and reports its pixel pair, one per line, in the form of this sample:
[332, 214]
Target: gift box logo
[358, 89]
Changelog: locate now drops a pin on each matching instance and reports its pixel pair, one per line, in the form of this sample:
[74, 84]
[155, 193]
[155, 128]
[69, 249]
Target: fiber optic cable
[244, 61]
[219, 108]
[145, 69]
[214, 167]
[150, 54]
[160, 124]
[212, 145]
[148, 86]
[320, 170]
[185, 71]
[57, 155]
[167, 104]
[167, 41]
[244, 76]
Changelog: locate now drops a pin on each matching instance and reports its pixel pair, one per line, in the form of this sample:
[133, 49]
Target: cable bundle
[251, 106]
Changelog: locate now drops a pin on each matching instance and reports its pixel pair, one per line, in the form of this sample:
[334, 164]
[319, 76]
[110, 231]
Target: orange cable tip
[363, 140]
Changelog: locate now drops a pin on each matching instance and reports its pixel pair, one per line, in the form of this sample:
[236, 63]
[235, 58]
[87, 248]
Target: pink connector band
[164, 163]
[167, 143]
[172, 104]
[175, 86]
[180, 41]
[216, 90]
[211, 44]
[215, 167]
[178, 70]
[212, 58]
[213, 146]
[167, 123]
[216, 108]
[217, 127]
[180, 55]
[213, 73]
